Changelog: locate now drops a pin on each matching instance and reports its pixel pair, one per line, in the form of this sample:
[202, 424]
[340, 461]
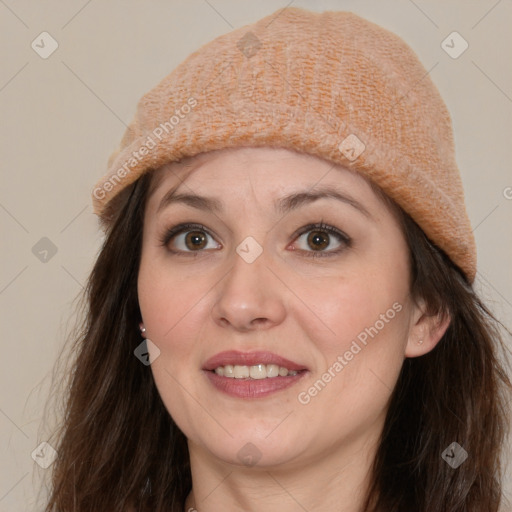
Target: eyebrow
[283, 205]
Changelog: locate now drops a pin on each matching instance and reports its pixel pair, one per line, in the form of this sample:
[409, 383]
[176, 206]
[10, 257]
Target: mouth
[252, 374]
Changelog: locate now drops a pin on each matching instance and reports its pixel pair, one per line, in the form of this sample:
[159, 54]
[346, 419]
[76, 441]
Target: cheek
[358, 365]
[176, 310]
[172, 308]
[354, 305]
[362, 350]
[167, 295]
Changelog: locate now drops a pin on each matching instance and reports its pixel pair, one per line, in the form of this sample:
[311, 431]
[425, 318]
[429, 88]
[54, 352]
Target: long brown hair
[119, 449]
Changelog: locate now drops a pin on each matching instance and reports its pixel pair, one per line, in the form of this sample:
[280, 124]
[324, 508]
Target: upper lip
[234, 357]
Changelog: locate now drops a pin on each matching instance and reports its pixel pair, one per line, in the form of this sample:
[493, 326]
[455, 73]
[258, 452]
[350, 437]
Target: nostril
[259, 321]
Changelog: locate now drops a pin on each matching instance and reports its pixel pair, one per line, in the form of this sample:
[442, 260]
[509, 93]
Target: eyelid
[322, 226]
[344, 239]
[170, 233]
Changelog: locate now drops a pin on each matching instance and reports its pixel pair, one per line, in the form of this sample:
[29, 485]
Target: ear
[426, 331]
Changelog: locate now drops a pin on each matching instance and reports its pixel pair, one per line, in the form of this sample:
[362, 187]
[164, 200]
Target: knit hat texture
[330, 84]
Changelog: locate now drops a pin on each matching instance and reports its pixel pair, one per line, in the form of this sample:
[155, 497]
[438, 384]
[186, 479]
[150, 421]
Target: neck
[336, 480]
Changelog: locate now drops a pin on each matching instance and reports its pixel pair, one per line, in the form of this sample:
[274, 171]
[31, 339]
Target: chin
[253, 446]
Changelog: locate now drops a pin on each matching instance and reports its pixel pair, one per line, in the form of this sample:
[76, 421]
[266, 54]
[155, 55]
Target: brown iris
[318, 240]
[197, 240]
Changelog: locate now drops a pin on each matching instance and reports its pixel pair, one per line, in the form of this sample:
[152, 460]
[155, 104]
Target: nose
[250, 297]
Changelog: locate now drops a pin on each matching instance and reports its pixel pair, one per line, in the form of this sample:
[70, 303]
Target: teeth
[258, 371]
[241, 372]
[272, 370]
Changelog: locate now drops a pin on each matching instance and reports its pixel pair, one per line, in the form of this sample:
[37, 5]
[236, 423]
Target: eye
[319, 237]
[187, 238]
[193, 238]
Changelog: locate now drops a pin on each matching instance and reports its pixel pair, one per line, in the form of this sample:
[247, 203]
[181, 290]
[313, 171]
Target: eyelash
[321, 226]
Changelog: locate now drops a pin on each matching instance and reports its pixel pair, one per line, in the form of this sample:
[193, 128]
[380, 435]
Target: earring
[419, 342]
[142, 329]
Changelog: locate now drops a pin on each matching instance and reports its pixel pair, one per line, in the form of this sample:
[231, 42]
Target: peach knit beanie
[329, 84]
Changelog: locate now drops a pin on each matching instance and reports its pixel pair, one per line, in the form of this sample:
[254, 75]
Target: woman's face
[253, 288]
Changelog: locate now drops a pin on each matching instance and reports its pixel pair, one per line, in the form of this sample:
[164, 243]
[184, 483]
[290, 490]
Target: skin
[314, 456]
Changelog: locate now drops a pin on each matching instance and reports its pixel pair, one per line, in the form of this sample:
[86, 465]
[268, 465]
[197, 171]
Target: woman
[282, 314]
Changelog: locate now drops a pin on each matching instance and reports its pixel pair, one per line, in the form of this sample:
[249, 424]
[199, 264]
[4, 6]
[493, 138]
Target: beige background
[62, 116]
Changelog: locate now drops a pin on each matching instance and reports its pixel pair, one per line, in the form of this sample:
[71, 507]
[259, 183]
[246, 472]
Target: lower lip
[252, 388]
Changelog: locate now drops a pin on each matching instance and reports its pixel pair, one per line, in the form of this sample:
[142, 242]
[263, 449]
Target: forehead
[240, 158]
[188, 170]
